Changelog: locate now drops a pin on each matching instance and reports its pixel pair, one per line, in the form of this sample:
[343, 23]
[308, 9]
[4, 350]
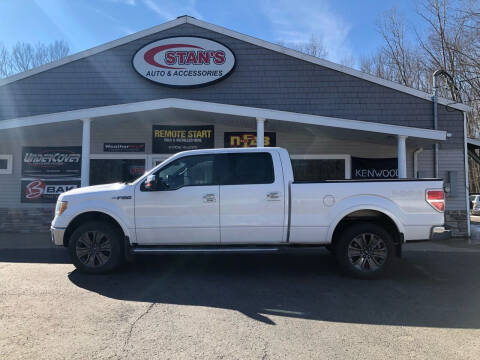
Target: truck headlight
[61, 207]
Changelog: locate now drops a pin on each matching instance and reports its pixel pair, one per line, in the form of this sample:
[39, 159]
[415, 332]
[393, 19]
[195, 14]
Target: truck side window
[187, 171]
[247, 168]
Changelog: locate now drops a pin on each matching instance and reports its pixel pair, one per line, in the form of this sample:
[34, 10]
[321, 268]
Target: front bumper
[57, 235]
[439, 233]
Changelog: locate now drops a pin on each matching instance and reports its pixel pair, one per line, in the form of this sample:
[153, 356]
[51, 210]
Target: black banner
[51, 161]
[247, 139]
[124, 147]
[363, 168]
[172, 139]
[45, 191]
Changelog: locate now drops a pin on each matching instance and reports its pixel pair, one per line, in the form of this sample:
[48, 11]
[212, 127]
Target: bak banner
[363, 168]
[45, 191]
[48, 162]
[247, 139]
[172, 139]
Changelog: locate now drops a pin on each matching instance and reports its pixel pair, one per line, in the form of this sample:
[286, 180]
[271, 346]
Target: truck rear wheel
[96, 247]
[364, 250]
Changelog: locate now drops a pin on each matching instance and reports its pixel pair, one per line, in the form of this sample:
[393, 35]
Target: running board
[202, 249]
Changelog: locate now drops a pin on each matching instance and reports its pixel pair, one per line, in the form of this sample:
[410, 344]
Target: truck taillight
[436, 198]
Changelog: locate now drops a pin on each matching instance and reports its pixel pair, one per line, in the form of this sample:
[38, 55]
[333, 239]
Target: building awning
[225, 109]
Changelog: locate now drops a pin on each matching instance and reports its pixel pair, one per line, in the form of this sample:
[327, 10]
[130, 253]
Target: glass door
[157, 159]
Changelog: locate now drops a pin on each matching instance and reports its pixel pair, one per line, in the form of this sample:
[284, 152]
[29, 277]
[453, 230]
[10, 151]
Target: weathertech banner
[172, 139]
[247, 139]
[40, 162]
[363, 168]
[45, 191]
[124, 147]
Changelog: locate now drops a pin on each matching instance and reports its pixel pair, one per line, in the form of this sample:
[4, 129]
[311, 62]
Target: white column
[85, 181]
[260, 132]
[402, 157]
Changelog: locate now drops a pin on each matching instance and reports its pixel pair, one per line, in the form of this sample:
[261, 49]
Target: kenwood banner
[45, 191]
[51, 161]
[363, 168]
[172, 139]
[184, 61]
[247, 139]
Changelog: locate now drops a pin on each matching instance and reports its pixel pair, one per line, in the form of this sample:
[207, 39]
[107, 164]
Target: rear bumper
[439, 233]
[57, 235]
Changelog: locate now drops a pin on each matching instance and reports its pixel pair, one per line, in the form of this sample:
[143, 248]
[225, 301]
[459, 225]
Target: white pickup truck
[245, 200]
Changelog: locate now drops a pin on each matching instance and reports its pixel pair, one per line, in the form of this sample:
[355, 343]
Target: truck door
[183, 208]
[252, 198]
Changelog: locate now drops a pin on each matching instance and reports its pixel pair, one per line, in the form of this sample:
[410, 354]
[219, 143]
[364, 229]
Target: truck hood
[96, 191]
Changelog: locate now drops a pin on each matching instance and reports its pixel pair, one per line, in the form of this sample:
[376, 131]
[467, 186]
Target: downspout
[435, 119]
[435, 112]
[415, 161]
[467, 185]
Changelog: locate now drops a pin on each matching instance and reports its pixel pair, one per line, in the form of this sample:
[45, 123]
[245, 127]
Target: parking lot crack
[132, 325]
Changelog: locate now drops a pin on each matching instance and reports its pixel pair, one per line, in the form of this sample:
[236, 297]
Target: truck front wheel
[364, 250]
[96, 247]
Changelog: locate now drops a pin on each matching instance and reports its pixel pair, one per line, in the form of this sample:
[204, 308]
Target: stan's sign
[184, 61]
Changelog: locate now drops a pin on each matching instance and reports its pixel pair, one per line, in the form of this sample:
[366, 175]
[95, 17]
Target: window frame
[347, 158]
[155, 173]
[9, 168]
[225, 159]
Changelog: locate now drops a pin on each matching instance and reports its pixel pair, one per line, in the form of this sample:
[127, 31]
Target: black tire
[96, 248]
[364, 250]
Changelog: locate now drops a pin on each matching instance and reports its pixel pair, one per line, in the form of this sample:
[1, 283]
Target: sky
[346, 27]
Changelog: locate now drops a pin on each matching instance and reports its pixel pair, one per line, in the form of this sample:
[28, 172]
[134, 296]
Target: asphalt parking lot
[238, 306]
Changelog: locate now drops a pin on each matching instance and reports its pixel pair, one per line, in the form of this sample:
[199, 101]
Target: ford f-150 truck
[245, 200]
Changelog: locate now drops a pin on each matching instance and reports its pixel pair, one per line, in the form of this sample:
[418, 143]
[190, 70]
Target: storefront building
[109, 113]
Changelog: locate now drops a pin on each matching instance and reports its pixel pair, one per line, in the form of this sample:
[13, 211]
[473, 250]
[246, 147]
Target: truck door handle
[208, 198]
[274, 195]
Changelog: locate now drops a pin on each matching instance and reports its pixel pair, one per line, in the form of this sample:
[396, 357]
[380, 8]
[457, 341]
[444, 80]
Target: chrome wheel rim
[93, 249]
[367, 252]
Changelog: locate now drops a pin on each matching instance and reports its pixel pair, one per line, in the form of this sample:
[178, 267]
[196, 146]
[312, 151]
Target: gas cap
[328, 200]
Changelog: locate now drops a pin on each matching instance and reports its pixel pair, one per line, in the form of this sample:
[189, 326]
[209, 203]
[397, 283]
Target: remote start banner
[172, 139]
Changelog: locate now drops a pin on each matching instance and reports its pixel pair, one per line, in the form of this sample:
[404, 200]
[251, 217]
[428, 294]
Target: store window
[5, 164]
[321, 167]
[105, 171]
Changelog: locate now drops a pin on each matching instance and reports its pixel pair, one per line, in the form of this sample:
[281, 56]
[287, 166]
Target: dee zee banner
[51, 161]
[45, 191]
[124, 147]
[172, 139]
[247, 139]
[363, 168]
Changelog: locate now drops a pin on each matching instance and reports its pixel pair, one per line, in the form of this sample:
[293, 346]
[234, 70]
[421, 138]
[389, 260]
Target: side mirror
[150, 183]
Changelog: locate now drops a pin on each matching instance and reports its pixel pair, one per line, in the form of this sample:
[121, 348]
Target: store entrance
[157, 159]
[106, 171]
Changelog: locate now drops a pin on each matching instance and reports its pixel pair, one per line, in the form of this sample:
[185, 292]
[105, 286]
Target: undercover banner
[41, 162]
[171, 139]
[364, 168]
[247, 139]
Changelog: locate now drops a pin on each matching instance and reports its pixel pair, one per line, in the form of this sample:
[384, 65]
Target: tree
[449, 40]
[313, 47]
[24, 56]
